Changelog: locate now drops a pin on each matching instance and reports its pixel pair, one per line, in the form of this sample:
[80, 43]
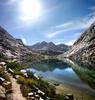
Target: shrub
[16, 67]
[21, 80]
[30, 75]
[25, 90]
[28, 82]
[4, 75]
[12, 65]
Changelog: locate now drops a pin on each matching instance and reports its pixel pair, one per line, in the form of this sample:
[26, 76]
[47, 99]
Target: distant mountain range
[11, 48]
[49, 48]
[82, 50]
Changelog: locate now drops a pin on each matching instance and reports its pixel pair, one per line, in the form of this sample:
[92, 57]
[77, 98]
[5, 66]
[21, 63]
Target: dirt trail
[17, 95]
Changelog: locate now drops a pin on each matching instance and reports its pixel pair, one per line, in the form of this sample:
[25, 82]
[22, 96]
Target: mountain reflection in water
[66, 72]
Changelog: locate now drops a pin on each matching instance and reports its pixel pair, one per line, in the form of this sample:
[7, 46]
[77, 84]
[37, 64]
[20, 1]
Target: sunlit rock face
[2, 93]
[11, 48]
[14, 49]
[84, 48]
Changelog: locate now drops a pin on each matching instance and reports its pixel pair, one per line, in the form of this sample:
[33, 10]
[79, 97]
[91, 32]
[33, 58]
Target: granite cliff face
[11, 48]
[2, 93]
[84, 48]
[50, 48]
[8, 44]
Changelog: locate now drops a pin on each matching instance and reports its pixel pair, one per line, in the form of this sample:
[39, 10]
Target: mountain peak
[49, 47]
[19, 41]
[43, 42]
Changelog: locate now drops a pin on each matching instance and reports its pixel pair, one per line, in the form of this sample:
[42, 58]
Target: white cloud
[79, 24]
[52, 34]
[63, 25]
[59, 29]
[75, 25]
[24, 40]
[71, 42]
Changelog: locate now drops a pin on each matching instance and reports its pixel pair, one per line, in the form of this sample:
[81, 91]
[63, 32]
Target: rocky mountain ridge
[11, 48]
[49, 48]
[84, 48]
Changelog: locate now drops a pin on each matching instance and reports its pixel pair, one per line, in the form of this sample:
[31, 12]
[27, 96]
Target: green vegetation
[6, 82]
[25, 90]
[16, 67]
[87, 76]
[28, 84]
[4, 75]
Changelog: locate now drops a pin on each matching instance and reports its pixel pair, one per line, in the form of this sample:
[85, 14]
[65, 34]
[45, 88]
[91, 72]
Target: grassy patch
[4, 75]
[27, 84]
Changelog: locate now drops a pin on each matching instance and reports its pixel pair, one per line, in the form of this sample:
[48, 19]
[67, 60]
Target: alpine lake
[68, 77]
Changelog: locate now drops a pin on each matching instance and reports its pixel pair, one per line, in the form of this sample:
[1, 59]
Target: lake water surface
[66, 73]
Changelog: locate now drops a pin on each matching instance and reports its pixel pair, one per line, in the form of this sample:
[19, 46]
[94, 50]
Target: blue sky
[59, 21]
